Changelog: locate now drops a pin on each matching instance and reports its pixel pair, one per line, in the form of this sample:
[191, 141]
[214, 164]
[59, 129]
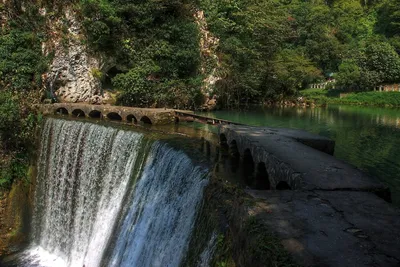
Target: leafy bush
[17, 129]
[156, 45]
[21, 60]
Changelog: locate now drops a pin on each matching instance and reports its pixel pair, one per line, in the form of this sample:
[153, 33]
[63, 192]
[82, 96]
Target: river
[366, 137]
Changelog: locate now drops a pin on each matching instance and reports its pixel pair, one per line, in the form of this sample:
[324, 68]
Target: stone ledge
[288, 159]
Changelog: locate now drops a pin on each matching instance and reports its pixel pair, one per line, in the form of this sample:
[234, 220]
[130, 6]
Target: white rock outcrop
[70, 76]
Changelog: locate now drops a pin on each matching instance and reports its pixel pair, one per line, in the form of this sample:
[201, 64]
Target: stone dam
[325, 211]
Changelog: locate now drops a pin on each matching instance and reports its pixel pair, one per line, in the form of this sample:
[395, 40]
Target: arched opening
[114, 116]
[223, 143]
[145, 120]
[176, 120]
[234, 156]
[208, 148]
[95, 114]
[248, 167]
[61, 111]
[131, 119]
[262, 177]
[78, 113]
[233, 149]
[282, 185]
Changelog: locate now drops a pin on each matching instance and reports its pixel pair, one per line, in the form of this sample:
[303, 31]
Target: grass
[320, 96]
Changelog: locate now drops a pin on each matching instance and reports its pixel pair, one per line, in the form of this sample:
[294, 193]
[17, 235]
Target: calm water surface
[366, 137]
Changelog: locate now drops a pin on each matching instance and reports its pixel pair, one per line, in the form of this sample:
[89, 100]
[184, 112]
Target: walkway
[325, 211]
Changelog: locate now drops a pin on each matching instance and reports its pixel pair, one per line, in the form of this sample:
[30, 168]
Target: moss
[242, 239]
[97, 73]
[16, 209]
[264, 249]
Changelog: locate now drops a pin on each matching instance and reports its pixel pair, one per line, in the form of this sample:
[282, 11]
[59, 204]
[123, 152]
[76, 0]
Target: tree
[349, 75]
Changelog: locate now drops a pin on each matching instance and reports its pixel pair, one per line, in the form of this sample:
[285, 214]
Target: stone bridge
[116, 113]
[293, 159]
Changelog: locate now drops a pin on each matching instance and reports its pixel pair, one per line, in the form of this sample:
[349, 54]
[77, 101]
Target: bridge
[112, 113]
[156, 116]
[294, 159]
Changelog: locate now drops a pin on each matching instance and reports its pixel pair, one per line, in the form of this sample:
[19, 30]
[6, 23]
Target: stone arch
[95, 114]
[78, 113]
[234, 156]
[262, 178]
[114, 116]
[283, 185]
[131, 119]
[145, 120]
[61, 111]
[233, 149]
[248, 167]
[207, 147]
[223, 142]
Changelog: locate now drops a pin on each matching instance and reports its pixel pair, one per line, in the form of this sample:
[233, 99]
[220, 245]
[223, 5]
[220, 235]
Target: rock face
[70, 77]
[209, 60]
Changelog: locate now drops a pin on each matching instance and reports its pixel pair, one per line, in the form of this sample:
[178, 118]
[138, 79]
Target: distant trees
[271, 49]
[267, 49]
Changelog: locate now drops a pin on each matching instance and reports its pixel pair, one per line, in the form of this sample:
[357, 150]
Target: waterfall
[157, 227]
[92, 209]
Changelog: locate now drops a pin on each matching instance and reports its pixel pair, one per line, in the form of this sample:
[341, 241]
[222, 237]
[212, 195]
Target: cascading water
[89, 209]
[157, 227]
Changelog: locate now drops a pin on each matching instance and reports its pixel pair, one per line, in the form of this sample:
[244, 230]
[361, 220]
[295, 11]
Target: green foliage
[17, 128]
[372, 99]
[9, 116]
[292, 69]
[156, 45]
[97, 74]
[139, 89]
[250, 34]
[349, 74]
[265, 248]
[320, 96]
[21, 67]
[21, 61]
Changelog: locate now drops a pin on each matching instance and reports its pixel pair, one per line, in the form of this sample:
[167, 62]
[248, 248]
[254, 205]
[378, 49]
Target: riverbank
[323, 97]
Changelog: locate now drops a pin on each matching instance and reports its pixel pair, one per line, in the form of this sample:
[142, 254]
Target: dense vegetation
[271, 49]
[155, 45]
[267, 50]
[21, 67]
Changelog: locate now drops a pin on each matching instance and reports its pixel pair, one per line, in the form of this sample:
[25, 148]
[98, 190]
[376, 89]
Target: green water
[366, 137]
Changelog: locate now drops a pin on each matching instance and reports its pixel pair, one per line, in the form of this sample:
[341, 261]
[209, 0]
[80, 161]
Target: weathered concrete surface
[288, 159]
[318, 142]
[332, 228]
[156, 116]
